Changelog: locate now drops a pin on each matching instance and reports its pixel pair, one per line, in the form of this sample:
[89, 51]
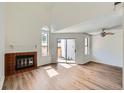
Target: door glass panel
[66, 50]
[61, 49]
[86, 46]
[70, 50]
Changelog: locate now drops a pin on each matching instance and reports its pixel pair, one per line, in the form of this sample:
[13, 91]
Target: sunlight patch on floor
[51, 72]
[65, 65]
[63, 60]
[47, 67]
[73, 64]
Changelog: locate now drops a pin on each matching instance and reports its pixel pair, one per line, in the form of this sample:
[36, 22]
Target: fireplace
[24, 61]
[20, 62]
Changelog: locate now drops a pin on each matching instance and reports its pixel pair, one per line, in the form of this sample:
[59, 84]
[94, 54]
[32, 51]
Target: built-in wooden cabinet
[10, 62]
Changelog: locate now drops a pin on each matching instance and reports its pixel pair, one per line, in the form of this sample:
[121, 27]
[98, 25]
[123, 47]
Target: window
[45, 39]
[86, 46]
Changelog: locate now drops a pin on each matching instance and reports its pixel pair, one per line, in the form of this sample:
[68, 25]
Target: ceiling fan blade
[113, 27]
[109, 33]
[95, 33]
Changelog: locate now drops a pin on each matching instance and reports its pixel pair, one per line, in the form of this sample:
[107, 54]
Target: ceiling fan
[103, 33]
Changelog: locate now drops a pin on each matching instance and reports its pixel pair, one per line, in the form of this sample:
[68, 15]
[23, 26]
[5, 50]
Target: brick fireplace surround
[20, 62]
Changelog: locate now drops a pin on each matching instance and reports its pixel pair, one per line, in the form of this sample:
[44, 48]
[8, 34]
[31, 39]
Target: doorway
[66, 50]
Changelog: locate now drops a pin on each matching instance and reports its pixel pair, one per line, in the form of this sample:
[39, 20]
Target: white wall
[2, 40]
[109, 49]
[23, 23]
[80, 58]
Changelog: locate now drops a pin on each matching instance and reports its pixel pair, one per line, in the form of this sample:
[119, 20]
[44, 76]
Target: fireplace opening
[24, 61]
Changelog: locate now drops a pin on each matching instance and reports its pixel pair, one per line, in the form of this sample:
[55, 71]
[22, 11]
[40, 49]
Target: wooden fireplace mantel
[10, 62]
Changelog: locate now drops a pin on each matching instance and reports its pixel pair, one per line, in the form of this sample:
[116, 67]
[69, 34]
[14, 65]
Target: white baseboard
[100, 61]
[1, 82]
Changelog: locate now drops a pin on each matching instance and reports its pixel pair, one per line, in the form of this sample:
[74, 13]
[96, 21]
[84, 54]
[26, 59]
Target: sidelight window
[86, 46]
[45, 41]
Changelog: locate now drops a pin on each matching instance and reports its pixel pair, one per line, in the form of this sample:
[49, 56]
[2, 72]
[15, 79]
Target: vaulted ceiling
[84, 17]
[68, 17]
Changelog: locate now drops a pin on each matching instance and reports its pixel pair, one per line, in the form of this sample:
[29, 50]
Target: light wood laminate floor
[67, 77]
